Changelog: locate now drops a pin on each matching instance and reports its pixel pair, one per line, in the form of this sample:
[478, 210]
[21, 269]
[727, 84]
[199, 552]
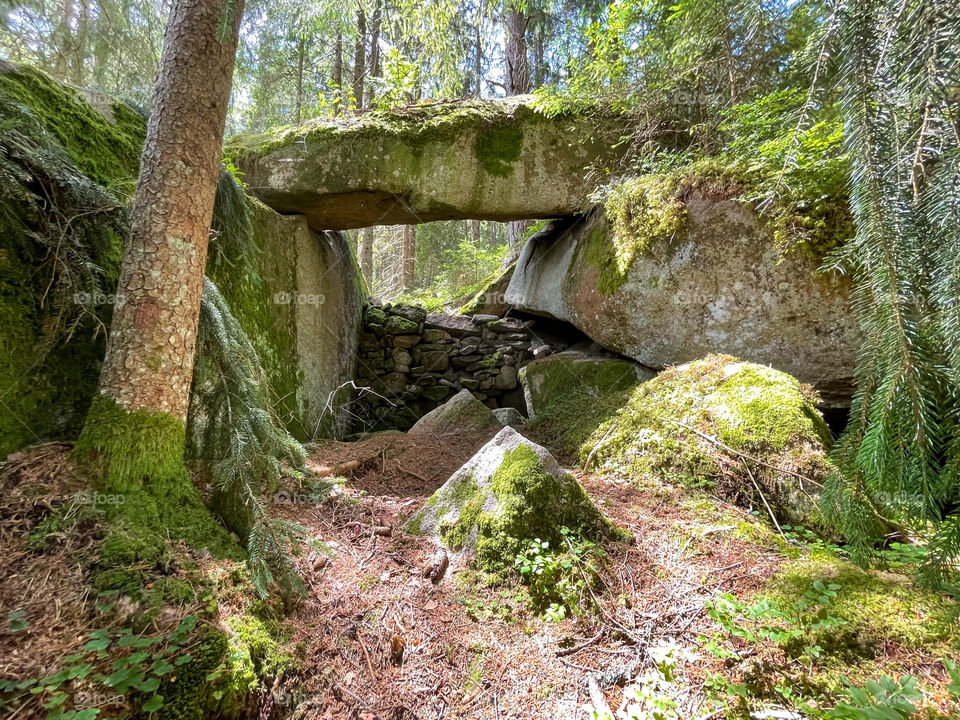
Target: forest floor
[375, 639]
[382, 641]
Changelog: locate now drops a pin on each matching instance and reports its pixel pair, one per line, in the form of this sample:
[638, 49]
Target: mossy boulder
[877, 608]
[492, 298]
[675, 426]
[549, 380]
[666, 279]
[461, 413]
[296, 293]
[494, 160]
[509, 493]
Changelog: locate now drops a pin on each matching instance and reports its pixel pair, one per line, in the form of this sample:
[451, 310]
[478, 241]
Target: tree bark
[518, 82]
[408, 256]
[515, 53]
[366, 256]
[337, 78]
[359, 57]
[374, 50]
[150, 351]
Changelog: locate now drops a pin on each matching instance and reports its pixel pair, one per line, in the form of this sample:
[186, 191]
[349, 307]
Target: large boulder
[571, 372]
[461, 413]
[494, 160]
[750, 432]
[295, 292]
[710, 278]
[509, 493]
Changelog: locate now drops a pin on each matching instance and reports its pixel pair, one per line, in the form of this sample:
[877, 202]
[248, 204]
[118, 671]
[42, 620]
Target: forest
[409, 359]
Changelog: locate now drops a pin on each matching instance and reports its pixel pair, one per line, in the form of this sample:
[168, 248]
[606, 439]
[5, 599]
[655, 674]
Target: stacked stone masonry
[413, 361]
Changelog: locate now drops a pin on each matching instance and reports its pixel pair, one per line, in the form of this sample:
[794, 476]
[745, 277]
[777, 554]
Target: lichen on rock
[509, 493]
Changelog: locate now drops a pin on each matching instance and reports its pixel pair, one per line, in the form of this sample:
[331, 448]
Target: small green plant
[117, 662]
[795, 628]
[883, 699]
[650, 697]
[557, 579]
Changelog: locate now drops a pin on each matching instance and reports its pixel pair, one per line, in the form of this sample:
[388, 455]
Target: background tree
[135, 429]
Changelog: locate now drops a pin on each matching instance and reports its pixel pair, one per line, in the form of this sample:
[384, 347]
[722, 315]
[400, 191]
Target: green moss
[49, 136]
[497, 148]
[107, 152]
[137, 457]
[763, 413]
[126, 449]
[571, 399]
[640, 211]
[247, 278]
[760, 407]
[530, 503]
[258, 650]
[879, 608]
[416, 126]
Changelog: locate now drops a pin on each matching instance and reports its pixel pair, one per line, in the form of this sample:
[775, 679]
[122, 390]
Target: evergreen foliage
[900, 455]
[238, 439]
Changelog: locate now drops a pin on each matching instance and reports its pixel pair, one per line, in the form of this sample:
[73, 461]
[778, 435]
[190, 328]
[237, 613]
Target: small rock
[509, 416]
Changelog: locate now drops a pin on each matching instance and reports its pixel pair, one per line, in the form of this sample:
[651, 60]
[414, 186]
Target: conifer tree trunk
[366, 256]
[408, 257]
[359, 57]
[136, 424]
[374, 50]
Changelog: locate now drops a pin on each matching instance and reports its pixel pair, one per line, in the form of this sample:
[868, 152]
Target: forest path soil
[381, 641]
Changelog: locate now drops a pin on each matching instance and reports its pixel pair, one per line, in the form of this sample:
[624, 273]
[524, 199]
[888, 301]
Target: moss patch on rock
[498, 147]
[509, 493]
[750, 408]
[877, 607]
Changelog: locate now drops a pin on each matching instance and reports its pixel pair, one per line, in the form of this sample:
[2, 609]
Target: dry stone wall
[413, 361]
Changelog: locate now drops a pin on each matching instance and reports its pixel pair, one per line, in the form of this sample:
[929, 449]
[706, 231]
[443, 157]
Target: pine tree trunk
[337, 78]
[518, 83]
[359, 57]
[366, 256]
[515, 52]
[148, 368]
[408, 257]
[374, 50]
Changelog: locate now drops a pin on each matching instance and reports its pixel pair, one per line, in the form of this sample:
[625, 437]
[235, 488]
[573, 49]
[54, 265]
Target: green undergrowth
[174, 630]
[822, 627]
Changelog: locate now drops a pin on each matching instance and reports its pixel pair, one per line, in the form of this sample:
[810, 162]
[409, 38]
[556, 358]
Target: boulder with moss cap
[509, 493]
[702, 275]
[703, 422]
[550, 379]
